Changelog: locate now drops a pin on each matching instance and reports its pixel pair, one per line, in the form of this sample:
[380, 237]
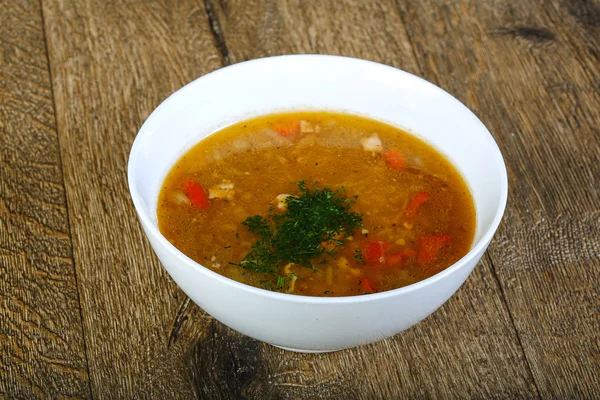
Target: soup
[317, 204]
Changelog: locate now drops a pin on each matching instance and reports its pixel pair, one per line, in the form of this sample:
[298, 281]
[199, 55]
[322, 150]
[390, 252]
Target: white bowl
[314, 82]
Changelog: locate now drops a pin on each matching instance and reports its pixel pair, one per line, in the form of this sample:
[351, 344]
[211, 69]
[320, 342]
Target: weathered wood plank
[41, 337]
[112, 63]
[368, 30]
[531, 72]
[447, 355]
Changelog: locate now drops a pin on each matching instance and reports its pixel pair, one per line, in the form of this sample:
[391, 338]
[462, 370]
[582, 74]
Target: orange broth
[418, 215]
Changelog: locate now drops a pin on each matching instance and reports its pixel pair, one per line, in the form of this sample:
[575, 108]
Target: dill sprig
[316, 223]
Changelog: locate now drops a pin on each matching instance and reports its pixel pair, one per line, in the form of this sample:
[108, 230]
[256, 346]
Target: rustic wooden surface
[87, 311]
[42, 348]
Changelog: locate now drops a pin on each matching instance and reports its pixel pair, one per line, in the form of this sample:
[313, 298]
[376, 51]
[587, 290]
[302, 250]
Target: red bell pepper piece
[430, 246]
[399, 258]
[394, 158]
[366, 285]
[196, 193]
[416, 202]
[374, 252]
[287, 129]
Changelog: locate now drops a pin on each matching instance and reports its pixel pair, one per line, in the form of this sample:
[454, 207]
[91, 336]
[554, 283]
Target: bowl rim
[152, 229]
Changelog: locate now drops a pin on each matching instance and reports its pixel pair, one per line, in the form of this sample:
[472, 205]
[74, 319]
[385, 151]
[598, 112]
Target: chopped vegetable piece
[430, 246]
[374, 252]
[179, 198]
[223, 190]
[416, 202]
[288, 128]
[292, 284]
[281, 201]
[280, 281]
[306, 126]
[399, 258]
[196, 193]
[394, 158]
[365, 285]
[372, 144]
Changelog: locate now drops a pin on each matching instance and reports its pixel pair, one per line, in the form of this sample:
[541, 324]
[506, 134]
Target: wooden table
[86, 310]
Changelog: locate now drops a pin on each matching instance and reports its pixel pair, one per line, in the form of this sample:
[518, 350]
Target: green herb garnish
[280, 282]
[315, 224]
[359, 257]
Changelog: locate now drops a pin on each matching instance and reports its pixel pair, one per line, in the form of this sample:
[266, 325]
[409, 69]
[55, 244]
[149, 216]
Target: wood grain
[425, 361]
[531, 72]
[112, 63]
[86, 309]
[41, 338]
[348, 28]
